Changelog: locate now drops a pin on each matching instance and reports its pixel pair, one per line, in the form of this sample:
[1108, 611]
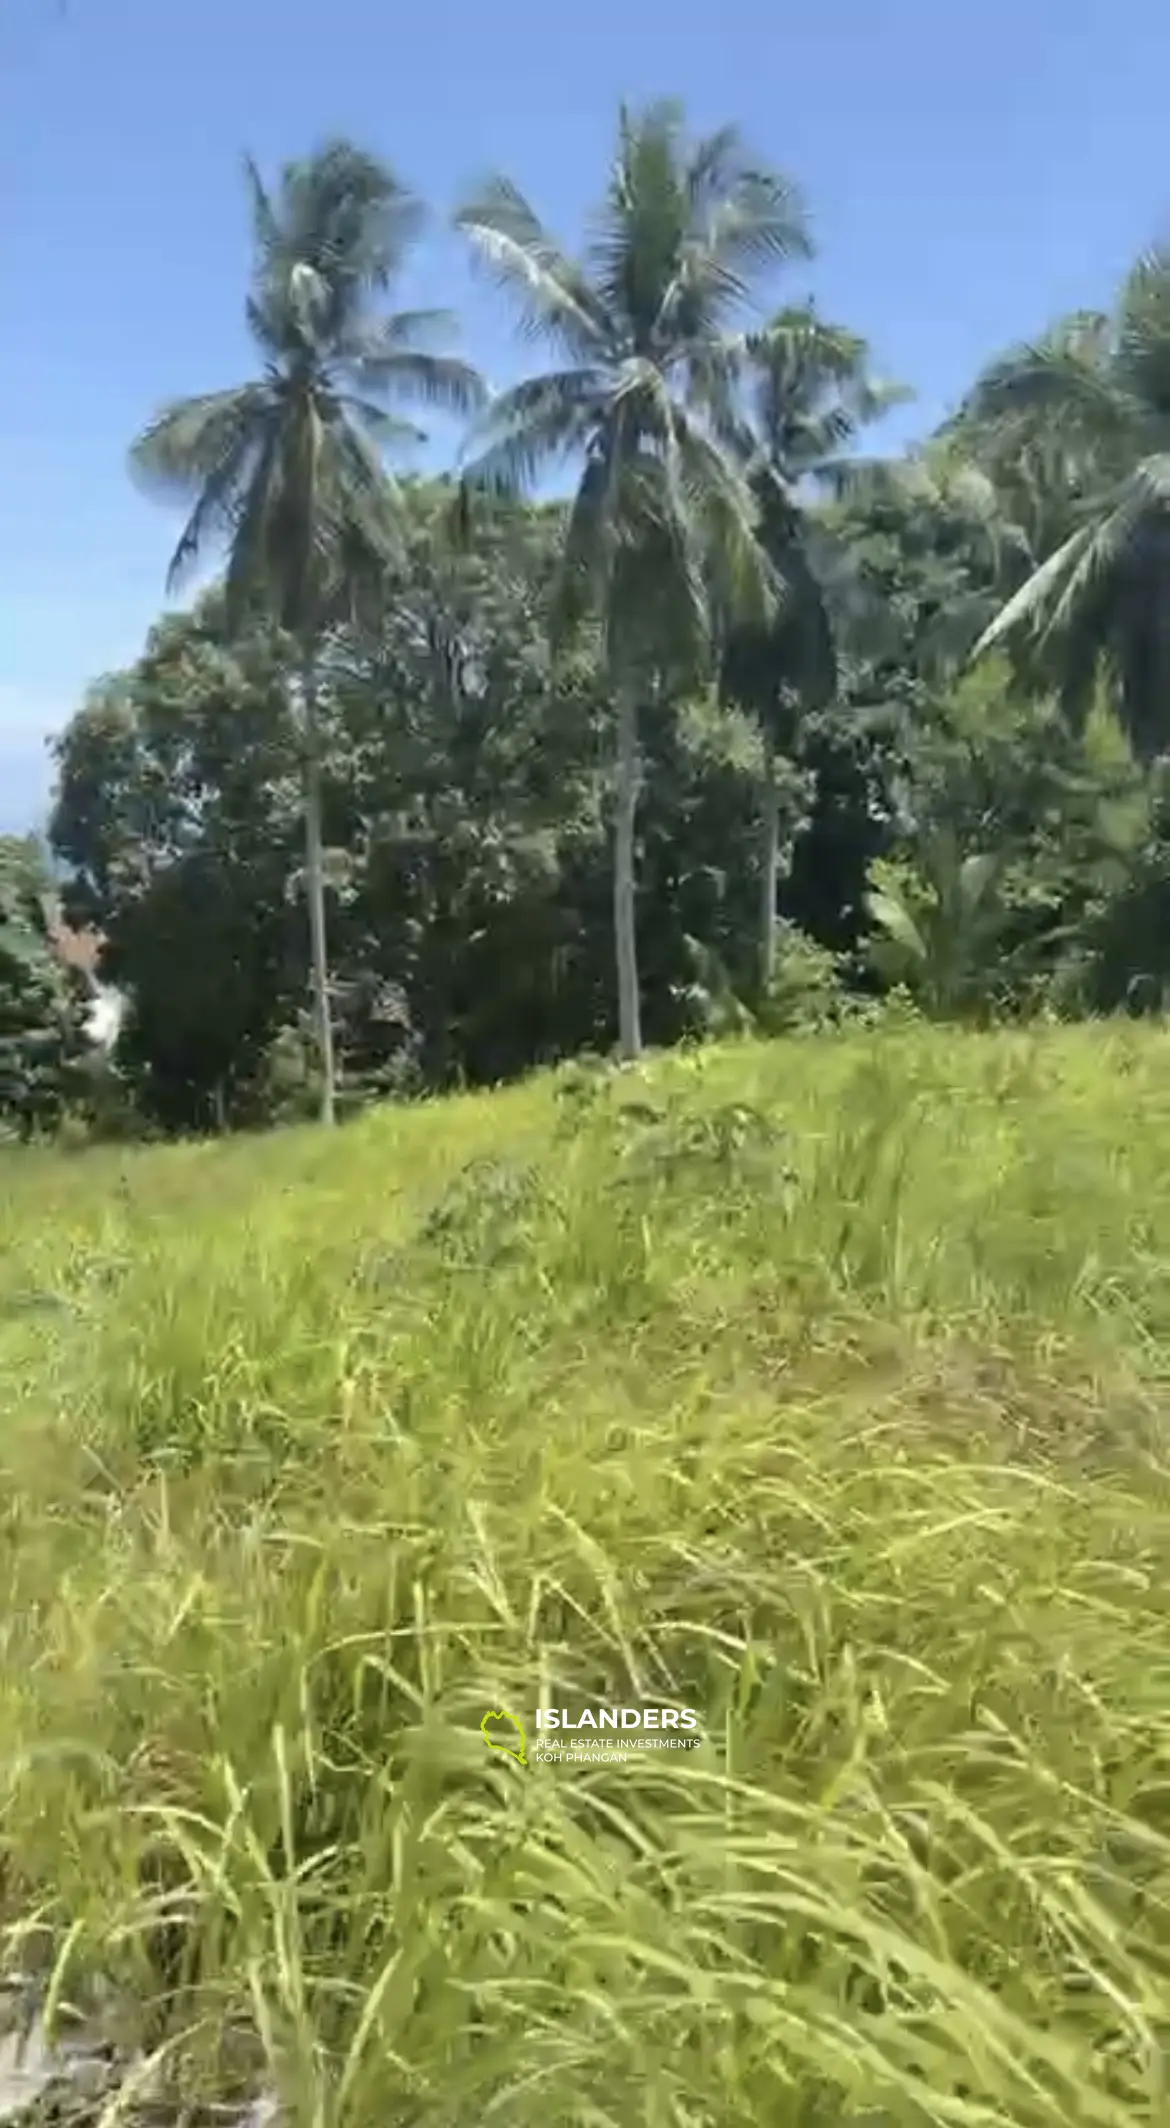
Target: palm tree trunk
[625, 932]
[769, 863]
[315, 887]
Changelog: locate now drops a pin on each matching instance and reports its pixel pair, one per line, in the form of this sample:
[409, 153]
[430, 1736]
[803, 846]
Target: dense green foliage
[700, 746]
[41, 1005]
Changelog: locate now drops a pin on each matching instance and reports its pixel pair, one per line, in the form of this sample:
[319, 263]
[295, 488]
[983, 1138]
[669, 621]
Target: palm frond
[686, 500]
[785, 667]
[637, 236]
[761, 224]
[711, 171]
[945, 642]
[267, 234]
[186, 441]
[1143, 332]
[1051, 599]
[762, 221]
[388, 430]
[211, 446]
[442, 381]
[361, 501]
[797, 344]
[268, 325]
[715, 366]
[589, 547]
[1143, 497]
[744, 576]
[657, 614]
[1066, 382]
[371, 338]
[1031, 606]
[553, 297]
[539, 422]
[892, 914]
[252, 539]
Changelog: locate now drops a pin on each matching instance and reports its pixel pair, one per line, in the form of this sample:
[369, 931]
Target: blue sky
[972, 171]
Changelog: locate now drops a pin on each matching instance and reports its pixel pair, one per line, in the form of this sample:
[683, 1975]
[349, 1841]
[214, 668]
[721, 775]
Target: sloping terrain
[818, 1387]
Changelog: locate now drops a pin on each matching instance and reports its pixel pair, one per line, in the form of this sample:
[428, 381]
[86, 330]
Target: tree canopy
[748, 724]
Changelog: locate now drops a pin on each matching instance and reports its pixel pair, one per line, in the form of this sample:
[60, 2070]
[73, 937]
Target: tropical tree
[1043, 472]
[938, 923]
[811, 393]
[933, 546]
[642, 404]
[287, 470]
[1087, 410]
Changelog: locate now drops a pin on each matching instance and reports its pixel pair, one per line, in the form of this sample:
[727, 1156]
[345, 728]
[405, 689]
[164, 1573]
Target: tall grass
[820, 1387]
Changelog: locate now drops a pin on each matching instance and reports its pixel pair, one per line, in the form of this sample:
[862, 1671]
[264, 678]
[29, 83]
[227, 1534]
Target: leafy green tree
[464, 775]
[178, 814]
[811, 393]
[1117, 954]
[288, 470]
[42, 1038]
[1087, 409]
[475, 816]
[932, 547]
[482, 888]
[922, 548]
[642, 403]
[1063, 813]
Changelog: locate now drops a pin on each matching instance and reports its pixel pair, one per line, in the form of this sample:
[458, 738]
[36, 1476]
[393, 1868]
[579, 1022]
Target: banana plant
[939, 924]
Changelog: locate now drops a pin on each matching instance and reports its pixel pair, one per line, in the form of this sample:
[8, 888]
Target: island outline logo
[494, 1743]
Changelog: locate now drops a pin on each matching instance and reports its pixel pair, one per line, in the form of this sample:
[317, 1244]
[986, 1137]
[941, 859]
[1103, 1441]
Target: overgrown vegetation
[42, 1040]
[818, 1387]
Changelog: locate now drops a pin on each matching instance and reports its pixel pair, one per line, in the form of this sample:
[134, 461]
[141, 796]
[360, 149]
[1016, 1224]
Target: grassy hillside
[819, 1387]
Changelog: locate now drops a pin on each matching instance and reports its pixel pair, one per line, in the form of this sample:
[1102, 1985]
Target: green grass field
[820, 1387]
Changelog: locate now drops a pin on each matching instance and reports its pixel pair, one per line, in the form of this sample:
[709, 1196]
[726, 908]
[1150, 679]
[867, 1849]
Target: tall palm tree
[642, 404]
[810, 394]
[287, 471]
[1087, 410]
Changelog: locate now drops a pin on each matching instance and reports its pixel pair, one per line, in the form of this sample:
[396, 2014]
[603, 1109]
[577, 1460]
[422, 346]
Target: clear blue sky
[973, 169]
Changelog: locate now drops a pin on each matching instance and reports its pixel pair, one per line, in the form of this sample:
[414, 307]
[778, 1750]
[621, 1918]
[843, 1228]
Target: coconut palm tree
[287, 471]
[641, 403]
[1087, 410]
[810, 394]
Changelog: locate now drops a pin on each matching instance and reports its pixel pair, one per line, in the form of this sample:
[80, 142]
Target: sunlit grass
[820, 1387]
